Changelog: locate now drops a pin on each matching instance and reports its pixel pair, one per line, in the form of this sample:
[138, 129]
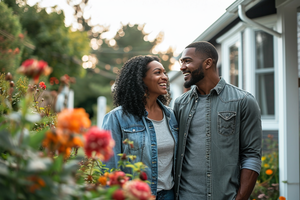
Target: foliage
[52, 41]
[267, 185]
[10, 39]
[42, 160]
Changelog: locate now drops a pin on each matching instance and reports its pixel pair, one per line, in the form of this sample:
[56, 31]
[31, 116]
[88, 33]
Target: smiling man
[219, 142]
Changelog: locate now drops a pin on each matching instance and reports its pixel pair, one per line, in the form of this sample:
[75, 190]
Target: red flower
[34, 68]
[118, 195]
[42, 85]
[99, 141]
[137, 190]
[117, 178]
[143, 176]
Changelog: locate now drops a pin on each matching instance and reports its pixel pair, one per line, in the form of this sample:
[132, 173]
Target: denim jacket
[142, 133]
[233, 137]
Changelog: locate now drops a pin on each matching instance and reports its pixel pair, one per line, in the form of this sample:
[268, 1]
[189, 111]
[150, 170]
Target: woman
[141, 93]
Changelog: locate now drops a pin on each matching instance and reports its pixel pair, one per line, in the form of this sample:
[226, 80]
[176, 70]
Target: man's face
[192, 67]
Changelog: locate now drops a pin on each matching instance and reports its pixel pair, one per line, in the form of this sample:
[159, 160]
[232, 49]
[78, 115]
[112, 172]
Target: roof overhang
[229, 16]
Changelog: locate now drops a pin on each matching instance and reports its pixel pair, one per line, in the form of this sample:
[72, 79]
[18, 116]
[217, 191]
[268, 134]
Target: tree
[10, 39]
[111, 54]
[53, 41]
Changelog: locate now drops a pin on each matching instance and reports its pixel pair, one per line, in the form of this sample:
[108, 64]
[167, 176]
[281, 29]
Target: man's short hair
[206, 49]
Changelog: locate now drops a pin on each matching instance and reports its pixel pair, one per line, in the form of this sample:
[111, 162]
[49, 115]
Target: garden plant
[49, 155]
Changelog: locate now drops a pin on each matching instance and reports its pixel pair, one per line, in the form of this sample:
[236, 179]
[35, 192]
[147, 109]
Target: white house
[259, 47]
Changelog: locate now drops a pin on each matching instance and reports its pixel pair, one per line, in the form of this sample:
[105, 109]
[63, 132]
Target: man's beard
[196, 76]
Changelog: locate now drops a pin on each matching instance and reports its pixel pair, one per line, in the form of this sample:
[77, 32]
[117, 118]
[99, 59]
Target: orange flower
[37, 183]
[269, 171]
[73, 120]
[61, 142]
[102, 180]
[282, 198]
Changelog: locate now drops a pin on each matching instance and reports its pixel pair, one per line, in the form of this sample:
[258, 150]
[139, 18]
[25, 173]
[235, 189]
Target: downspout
[245, 19]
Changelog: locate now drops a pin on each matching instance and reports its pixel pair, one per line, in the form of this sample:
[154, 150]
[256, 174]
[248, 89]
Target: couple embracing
[207, 147]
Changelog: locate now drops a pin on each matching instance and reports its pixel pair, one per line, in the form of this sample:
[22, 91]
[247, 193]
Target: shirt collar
[218, 88]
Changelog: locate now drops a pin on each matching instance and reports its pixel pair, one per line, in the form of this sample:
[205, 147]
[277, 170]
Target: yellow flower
[269, 171]
[266, 165]
[263, 158]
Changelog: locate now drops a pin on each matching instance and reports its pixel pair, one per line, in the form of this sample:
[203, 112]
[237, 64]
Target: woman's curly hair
[130, 91]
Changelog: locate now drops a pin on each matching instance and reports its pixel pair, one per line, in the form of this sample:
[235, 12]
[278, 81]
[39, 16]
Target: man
[219, 147]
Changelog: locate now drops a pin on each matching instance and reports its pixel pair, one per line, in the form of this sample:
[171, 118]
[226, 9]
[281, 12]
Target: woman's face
[156, 79]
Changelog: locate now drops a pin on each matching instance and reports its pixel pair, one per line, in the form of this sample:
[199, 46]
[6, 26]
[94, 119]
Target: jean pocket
[136, 134]
[226, 123]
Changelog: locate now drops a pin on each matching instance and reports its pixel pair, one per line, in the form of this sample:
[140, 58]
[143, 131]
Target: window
[234, 64]
[264, 71]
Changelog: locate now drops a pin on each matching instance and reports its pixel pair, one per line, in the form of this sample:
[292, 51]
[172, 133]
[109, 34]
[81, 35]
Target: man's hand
[247, 182]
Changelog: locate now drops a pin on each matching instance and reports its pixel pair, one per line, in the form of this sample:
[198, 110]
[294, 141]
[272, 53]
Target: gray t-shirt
[165, 151]
[193, 178]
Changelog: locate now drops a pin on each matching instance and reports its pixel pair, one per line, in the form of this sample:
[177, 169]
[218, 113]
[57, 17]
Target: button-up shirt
[142, 133]
[233, 137]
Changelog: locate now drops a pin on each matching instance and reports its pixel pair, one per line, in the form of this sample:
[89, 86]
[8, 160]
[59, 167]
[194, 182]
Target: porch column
[288, 99]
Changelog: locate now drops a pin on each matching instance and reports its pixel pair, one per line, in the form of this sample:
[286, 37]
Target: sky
[182, 21]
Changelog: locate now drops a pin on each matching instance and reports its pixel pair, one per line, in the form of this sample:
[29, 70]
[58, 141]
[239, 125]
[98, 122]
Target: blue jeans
[165, 195]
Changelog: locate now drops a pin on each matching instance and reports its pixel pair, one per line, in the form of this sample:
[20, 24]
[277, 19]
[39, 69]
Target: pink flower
[117, 178]
[34, 69]
[42, 85]
[137, 190]
[99, 141]
[118, 195]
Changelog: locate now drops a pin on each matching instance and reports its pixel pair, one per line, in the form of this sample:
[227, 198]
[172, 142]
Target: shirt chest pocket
[226, 123]
[136, 134]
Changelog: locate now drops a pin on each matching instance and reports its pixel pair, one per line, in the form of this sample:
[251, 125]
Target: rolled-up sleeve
[251, 135]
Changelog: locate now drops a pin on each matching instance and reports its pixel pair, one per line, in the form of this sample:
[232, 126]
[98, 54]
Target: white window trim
[234, 35]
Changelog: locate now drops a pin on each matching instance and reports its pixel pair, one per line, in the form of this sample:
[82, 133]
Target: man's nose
[182, 67]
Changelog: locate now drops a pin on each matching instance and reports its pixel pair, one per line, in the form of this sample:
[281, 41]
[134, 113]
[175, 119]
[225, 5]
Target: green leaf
[58, 162]
[36, 138]
[5, 141]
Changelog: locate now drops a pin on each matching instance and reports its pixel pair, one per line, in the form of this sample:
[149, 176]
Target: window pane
[265, 93]
[234, 65]
[264, 50]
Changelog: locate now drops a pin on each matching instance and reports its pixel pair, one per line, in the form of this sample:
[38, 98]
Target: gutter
[244, 18]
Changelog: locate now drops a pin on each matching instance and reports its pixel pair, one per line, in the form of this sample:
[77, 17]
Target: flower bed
[39, 148]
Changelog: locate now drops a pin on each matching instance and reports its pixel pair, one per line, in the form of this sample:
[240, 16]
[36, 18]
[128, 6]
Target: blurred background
[91, 39]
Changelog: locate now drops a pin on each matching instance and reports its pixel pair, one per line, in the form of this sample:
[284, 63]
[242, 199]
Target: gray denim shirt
[233, 137]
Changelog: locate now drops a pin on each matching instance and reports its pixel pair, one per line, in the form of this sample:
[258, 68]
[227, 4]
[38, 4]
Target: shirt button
[196, 101]
[181, 155]
[184, 134]
[209, 194]
[133, 130]
[190, 115]
[208, 175]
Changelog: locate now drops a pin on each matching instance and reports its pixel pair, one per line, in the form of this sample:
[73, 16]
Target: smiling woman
[141, 94]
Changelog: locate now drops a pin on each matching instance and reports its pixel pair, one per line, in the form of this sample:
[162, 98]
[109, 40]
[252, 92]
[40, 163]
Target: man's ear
[208, 63]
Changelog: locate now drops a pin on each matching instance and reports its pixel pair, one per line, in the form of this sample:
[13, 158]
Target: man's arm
[247, 182]
[250, 146]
